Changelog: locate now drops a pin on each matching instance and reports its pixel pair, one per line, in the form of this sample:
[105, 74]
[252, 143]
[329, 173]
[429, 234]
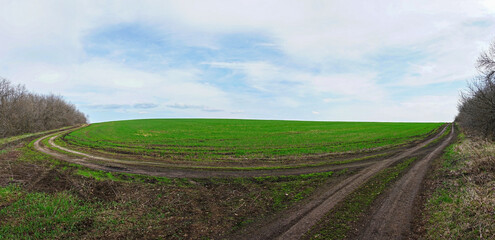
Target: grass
[122, 177]
[242, 140]
[462, 206]
[62, 143]
[167, 209]
[31, 155]
[338, 222]
[24, 136]
[441, 137]
[40, 215]
[71, 201]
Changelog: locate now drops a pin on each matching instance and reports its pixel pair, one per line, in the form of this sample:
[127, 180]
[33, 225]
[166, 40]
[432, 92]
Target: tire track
[393, 218]
[292, 225]
[295, 224]
[167, 170]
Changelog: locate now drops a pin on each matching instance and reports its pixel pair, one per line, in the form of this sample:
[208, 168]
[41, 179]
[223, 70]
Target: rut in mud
[155, 169]
[294, 223]
[165, 170]
[393, 218]
[291, 224]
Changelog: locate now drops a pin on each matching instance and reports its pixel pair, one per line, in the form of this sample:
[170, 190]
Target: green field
[240, 140]
[56, 199]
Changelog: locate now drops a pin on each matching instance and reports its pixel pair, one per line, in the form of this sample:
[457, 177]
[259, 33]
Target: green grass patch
[98, 175]
[120, 177]
[29, 154]
[299, 177]
[451, 159]
[291, 188]
[441, 196]
[337, 223]
[41, 215]
[8, 194]
[213, 139]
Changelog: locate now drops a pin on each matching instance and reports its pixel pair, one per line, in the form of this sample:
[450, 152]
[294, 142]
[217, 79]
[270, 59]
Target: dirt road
[294, 223]
[392, 220]
[167, 170]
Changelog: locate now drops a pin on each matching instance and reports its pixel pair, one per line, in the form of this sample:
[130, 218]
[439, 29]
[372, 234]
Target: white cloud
[355, 86]
[431, 108]
[452, 57]
[135, 86]
[267, 77]
[50, 78]
[335, 100]
[99, 81]
[188, 106]
[42, 46]
[314, 30]
[318, 29]
[260, 75]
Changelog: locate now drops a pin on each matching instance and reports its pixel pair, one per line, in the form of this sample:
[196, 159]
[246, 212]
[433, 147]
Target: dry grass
[463, 206]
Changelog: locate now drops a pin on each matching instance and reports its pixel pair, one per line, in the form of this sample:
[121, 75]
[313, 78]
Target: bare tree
[477, 104]
[23, 112]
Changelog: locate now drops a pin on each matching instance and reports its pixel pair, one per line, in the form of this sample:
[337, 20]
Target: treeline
[24, 112]
[477, 104]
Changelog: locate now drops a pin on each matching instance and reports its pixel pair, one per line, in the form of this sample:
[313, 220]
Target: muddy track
[393, 218]
[167, 170]
[291, 224]
[162, 170]
[294, 223]
[16, 142]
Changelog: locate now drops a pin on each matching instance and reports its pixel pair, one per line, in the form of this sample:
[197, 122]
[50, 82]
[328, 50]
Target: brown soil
[293, 161]
[295, 222]
[39, 177]
[161, 170]
[12, 171]
[290, 224]
[192, 212]
[392, 219]
[430, 183]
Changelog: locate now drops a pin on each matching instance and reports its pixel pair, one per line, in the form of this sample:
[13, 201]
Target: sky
[301, 60]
